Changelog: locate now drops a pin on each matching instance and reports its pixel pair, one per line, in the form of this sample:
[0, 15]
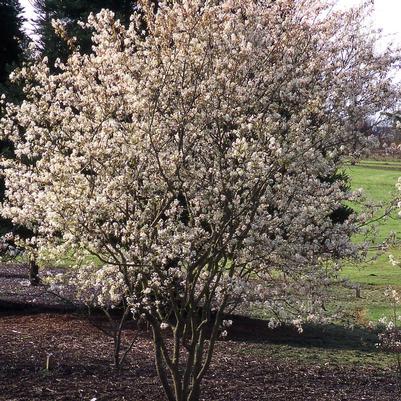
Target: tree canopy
[191, 163]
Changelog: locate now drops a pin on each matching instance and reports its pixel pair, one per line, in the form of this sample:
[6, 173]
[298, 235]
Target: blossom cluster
[390, 331]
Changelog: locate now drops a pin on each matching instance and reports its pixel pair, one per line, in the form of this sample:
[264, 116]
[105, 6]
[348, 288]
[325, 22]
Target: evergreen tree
[71, 12]
[12, 41]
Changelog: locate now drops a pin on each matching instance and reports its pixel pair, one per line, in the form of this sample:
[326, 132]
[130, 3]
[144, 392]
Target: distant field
[378, 179]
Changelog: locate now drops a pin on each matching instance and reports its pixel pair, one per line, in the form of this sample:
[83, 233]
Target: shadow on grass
[330, 336]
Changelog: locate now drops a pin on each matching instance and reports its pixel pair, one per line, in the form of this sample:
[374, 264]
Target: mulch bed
[81, 362]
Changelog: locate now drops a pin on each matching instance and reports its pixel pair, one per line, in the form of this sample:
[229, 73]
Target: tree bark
[33, 272]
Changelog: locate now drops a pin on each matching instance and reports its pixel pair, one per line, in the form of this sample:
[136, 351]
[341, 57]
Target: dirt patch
[35, 323]
[81, 369]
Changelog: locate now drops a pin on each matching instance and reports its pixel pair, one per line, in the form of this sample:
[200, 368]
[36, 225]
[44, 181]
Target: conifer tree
[12, 40]
[70, 12]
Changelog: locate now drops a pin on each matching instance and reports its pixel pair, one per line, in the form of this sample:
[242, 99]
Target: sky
[387, 16]
[28, 13]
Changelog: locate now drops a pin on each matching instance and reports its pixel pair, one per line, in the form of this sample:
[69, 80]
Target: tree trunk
[33, 272]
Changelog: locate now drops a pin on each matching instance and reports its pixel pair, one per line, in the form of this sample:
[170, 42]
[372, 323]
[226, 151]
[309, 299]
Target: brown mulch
[82, 371]
[81, 362]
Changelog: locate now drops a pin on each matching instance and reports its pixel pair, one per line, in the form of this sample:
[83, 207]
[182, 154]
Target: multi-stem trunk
[183, 360]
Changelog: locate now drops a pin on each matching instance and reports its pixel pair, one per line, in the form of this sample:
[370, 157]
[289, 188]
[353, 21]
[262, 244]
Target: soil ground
[33, 326]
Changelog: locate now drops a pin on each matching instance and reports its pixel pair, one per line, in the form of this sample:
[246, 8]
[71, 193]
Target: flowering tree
[193, 162]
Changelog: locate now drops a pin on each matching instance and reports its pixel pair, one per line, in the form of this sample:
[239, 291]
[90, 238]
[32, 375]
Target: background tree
[191, 164]
[12, 40]
[71, 12]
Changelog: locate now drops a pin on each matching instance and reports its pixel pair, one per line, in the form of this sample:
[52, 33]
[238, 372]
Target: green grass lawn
[335, 344]
[377, 182]
[378, 179]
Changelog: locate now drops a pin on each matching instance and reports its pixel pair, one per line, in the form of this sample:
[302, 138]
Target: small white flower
[164, 326]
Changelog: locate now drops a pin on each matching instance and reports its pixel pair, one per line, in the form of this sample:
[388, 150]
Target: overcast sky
[387, 16]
